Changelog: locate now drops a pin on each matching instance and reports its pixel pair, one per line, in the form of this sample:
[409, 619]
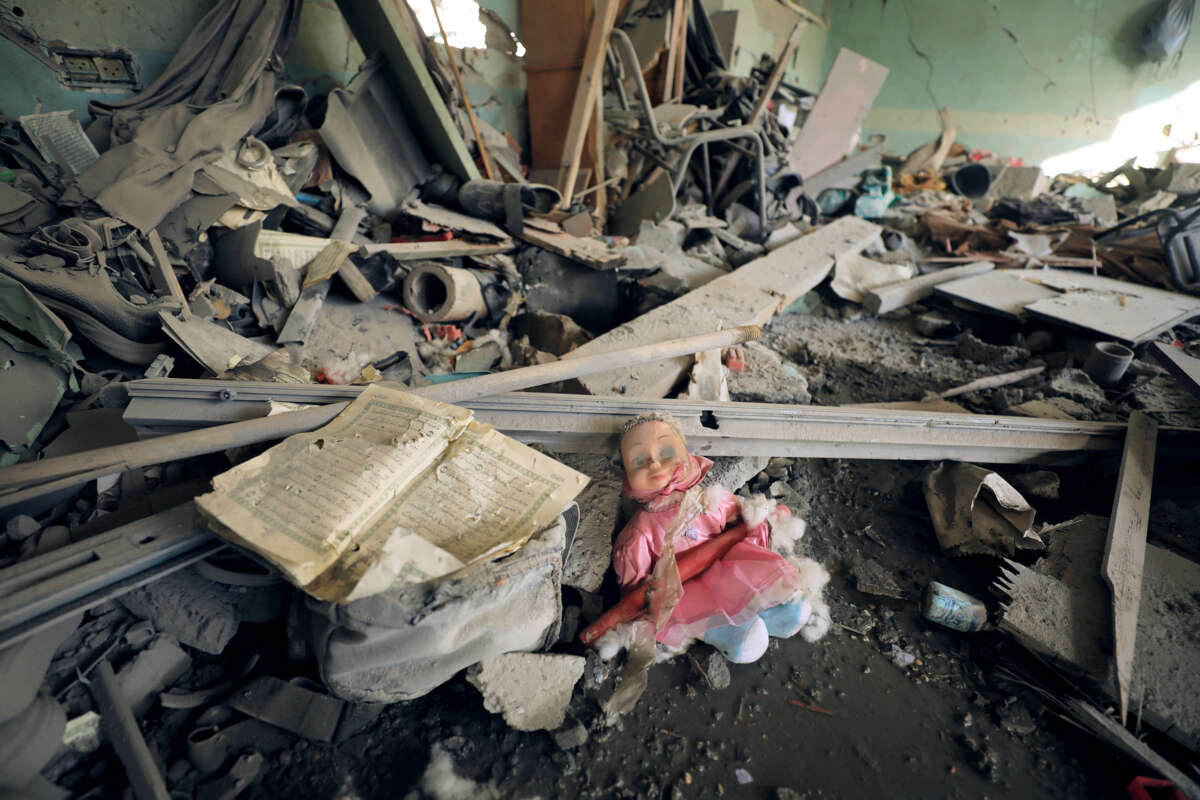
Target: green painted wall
[324, 53]
[1025, 78]
[762, 27]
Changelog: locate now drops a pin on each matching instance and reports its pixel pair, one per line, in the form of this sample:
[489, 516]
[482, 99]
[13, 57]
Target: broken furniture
[668, 128]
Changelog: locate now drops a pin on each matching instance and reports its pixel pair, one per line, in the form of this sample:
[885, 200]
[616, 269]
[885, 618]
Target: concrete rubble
[531, 690]
[205, 256]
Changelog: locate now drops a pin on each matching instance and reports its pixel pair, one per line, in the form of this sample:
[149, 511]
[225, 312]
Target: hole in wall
[709, 420]
[18, 12]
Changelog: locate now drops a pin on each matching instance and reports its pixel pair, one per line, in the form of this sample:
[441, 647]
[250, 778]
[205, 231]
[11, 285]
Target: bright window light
[1144, 133]
[459, 17]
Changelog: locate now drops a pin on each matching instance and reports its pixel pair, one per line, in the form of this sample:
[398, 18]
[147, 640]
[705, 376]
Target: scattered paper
[396, 489]
[854, 276]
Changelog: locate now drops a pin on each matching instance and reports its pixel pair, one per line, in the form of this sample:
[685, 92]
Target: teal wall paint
[1028, 94]
[324, 54]
[763, 26]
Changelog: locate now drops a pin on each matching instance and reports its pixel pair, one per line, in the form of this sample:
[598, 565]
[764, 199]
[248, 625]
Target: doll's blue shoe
[741, 644]
[784, 620]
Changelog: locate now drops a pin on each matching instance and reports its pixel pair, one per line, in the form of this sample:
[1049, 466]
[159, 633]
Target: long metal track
[42, 590]
[581, 423]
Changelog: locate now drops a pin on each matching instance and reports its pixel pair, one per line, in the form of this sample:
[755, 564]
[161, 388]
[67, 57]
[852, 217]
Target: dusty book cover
[396, 489]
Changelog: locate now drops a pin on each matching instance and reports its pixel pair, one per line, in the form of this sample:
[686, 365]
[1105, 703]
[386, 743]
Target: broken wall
[323, 55]
[1017, 76]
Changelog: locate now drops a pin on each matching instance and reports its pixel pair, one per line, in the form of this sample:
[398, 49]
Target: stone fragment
[716, 670]
[973, 348]
[599, 512]
[768, 378]
[571, 735]
[21, 527]
[1076, 385]
[478, 359]
[151, 671]
[531, 690]
[1022, 183]
[733, 472]
[194, 610]
[870, 577]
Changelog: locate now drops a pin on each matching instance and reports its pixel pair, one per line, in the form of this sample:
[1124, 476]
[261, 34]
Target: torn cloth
[143, 180]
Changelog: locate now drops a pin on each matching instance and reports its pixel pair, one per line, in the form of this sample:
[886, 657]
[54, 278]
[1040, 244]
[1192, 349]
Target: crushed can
[954, 609]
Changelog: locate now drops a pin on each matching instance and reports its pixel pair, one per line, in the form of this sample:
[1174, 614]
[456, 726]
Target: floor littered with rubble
[833, 719]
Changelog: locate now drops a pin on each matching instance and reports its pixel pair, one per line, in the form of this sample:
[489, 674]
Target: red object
[691, 563]
[1139, 789]
[735, 359]
[450, 333]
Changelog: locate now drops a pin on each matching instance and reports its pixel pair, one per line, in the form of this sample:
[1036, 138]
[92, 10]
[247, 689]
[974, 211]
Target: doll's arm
[632, 558]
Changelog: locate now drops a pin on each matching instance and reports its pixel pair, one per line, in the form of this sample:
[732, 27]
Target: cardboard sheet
[396, 489]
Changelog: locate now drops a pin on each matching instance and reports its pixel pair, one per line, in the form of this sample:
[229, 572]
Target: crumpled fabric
[217, 89]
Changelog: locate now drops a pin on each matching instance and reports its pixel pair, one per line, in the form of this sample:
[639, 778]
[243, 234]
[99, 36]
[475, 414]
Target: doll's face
[652, 452]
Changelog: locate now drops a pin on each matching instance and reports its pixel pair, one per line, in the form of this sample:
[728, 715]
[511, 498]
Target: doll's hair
[654, 416]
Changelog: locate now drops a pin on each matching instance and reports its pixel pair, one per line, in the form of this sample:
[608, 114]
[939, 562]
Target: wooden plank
[902, 293]
[1185, 368]
[384, 26]
[750, 295]
[165, 279]
[466, 101]
[672, 58]
[416, 251]
[1125, 549]
[356, 282]
[836, 117]
[588, 251]
[584, 104]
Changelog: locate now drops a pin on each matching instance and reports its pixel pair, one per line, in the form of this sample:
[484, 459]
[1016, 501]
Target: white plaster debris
[531, 690]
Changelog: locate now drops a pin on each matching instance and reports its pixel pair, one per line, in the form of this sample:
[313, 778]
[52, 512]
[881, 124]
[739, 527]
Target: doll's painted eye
[667, 453]
[639, 462]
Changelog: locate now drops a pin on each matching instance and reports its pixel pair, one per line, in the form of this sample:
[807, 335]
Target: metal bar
[39, 591]
[582, 423]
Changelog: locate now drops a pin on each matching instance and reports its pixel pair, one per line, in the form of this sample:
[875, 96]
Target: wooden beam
[385, 27]
[165, 279]
[1125, 550]
[416, 251]
[902, 293]
[590, 78]
[466, 101]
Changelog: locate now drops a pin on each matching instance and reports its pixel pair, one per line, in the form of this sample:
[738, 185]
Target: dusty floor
[948, 725]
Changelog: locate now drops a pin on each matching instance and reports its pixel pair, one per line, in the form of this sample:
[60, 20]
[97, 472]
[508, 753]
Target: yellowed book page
[485, 496]
[304, 502]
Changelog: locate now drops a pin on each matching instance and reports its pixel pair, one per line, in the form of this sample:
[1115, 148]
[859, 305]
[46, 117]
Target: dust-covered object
[396, 489]
[855, 275]
[402, 643]
[531, 690]
[976, 512]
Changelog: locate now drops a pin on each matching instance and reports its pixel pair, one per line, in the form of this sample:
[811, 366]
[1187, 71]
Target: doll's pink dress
[749, 579]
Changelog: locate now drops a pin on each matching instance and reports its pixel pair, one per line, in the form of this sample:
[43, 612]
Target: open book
[396, 489]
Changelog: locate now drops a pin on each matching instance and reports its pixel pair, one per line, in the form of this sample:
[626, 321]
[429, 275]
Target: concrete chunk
[531, 690]
[194, 610]
[1022, 183]
[151, 671]
[599, 511]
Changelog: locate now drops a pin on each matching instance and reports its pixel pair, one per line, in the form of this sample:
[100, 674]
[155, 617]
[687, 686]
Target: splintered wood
[1125, 550]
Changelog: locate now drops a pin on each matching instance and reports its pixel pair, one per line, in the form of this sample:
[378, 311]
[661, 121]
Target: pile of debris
[221, 262]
